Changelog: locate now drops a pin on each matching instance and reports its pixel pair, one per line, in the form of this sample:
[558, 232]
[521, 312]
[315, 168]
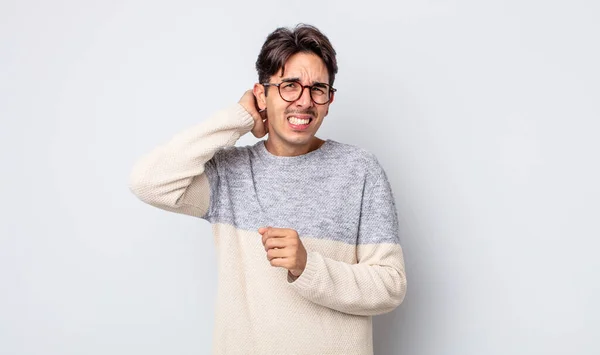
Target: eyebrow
[297, 80]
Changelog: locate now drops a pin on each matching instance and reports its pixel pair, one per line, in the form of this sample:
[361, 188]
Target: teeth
[298, 121]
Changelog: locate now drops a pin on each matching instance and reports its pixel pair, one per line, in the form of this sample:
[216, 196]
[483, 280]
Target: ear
[259, 94]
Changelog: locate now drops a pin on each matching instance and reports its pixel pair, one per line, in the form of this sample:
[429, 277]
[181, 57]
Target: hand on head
[261, 127]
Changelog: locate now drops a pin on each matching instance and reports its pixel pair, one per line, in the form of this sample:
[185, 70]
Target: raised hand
[248, 101]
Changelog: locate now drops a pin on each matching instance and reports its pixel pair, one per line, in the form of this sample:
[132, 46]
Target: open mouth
[299, 122]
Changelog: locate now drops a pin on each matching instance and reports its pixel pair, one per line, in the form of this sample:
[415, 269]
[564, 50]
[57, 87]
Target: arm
[377, 283]
[172, 176]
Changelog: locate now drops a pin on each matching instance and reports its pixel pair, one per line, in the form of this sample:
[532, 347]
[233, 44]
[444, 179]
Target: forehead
[305, 66]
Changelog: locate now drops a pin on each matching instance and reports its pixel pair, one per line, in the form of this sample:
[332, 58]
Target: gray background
[484, 114]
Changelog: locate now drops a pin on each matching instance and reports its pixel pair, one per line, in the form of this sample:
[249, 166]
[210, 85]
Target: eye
[319, 89]
[290, 86]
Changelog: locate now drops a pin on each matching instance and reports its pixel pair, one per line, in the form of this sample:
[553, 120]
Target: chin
[299, 138]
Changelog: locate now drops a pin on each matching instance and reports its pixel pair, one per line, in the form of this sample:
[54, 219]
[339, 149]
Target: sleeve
[173, 177]
[376, 284]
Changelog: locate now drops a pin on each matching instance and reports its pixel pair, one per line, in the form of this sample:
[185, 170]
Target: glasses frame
[278, 85]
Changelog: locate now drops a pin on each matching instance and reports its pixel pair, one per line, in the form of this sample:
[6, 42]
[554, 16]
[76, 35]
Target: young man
[306, 229]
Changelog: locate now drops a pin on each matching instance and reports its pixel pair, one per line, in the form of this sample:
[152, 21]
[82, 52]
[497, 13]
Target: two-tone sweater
[336, 197]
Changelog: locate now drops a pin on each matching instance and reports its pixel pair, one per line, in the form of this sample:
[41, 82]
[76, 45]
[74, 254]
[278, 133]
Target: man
[306, 229]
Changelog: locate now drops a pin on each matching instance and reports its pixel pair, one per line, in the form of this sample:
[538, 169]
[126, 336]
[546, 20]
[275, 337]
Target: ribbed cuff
[245, 118]
[305, 279]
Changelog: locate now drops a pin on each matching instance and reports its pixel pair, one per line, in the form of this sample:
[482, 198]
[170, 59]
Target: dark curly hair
[283, 43]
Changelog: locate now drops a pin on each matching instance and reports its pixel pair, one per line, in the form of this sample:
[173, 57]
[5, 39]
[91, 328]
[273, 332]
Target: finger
[263, 233]
[259, 128]
[276, 253]
[280, 262]
[272, 233]
[272, 243]
[258, 119]
[263, 113]
[280, 231]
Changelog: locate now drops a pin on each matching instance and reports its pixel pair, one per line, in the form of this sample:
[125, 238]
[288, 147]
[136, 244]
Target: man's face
[287, 121]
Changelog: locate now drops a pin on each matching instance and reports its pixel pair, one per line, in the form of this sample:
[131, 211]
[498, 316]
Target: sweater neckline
[277, 159]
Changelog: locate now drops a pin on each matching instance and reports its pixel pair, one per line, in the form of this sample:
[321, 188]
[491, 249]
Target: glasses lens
[291, 91]
[320, 93]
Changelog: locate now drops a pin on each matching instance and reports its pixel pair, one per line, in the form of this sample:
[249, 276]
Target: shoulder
[354, 156]
[234, 152]
[232, 157]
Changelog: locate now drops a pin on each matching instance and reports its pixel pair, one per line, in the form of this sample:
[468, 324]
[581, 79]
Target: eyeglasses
[290, 91]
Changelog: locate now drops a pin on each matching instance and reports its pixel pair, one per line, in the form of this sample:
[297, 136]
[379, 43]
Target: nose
[304, 100]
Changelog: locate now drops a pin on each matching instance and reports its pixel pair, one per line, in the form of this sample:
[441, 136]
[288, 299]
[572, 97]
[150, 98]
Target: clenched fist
[284, 249]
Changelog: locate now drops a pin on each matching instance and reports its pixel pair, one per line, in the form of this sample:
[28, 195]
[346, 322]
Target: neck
[287, 150]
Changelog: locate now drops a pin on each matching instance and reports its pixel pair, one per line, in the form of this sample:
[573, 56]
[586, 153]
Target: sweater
[336, 197]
